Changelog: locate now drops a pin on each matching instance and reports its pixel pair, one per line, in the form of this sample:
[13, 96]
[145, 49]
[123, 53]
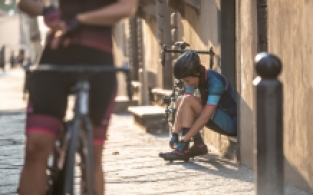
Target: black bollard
[269, 158]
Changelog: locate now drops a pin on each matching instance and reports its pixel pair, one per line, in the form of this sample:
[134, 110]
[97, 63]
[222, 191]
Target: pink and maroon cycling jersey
[98, 37]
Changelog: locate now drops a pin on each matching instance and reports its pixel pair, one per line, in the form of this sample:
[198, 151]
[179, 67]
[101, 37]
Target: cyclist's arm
[215, 91]
[110, 14]
[200, 122]
[31, 7]
[189, 90]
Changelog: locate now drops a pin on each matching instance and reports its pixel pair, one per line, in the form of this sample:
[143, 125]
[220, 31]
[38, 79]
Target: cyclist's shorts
[49, 91]
[223, 123]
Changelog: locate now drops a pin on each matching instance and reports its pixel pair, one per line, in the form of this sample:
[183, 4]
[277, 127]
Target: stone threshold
[150, 118]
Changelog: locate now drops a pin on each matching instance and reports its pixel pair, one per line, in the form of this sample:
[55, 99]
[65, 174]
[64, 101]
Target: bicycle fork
[80, 126]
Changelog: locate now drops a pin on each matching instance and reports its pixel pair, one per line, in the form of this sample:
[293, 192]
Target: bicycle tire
[87, 172]
[70, 158]
[56, 176]
[58, 183]
[83, 188]
[52, 173]
[87, 156]
[59, 175]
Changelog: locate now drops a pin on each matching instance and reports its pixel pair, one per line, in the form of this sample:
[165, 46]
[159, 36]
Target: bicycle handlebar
[79, 68]
[165, 50]
[184, 50]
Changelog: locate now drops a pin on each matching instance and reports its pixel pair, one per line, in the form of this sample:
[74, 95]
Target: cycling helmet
[186, 64]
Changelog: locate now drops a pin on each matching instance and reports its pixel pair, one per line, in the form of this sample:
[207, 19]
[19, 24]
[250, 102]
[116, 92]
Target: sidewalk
[137, 169]
[131, 162]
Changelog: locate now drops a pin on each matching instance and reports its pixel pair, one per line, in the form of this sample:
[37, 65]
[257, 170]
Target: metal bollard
[269, 158]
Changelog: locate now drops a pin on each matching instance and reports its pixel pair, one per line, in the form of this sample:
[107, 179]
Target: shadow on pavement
[213, 164]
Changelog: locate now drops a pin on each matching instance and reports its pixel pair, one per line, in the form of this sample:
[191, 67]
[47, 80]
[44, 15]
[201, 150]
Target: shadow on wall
[208, 22]
[293, 177]
[202, 29]
[246, 146]
[151, 22]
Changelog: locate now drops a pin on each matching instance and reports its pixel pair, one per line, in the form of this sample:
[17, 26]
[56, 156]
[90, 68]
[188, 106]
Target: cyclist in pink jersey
[80, 33]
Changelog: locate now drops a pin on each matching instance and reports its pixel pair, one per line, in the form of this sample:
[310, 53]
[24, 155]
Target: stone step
[150, 118]
[229, 147]
[158, 95]
[226, 146]
[122, 103]
[233, 139]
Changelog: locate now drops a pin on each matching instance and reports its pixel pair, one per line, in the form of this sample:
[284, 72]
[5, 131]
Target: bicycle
[76, 134]
[179, 88]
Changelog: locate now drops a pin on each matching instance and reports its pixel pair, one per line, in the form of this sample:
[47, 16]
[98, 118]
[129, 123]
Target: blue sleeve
[215, 91]
[190, 90]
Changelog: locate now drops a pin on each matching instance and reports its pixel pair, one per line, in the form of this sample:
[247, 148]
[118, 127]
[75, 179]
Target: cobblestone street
[131, 161]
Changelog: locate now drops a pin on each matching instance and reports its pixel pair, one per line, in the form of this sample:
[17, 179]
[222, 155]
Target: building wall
[10, 33]
[246, 50]
[120, 51]
[290, 38]
[155, 30]
[202, 30]
[151, 50]
[150, 57]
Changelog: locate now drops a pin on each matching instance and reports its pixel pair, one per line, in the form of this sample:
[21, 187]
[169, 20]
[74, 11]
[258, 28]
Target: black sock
[184, 131]
[198, 139]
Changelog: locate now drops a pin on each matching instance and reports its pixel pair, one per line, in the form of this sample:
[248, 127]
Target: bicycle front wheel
[55, 169]
[87, 162]
[74, 130]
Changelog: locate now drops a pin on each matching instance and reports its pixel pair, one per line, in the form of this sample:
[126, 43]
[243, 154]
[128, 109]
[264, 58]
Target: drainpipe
[133, 47]
[142, 72]
[262, 25]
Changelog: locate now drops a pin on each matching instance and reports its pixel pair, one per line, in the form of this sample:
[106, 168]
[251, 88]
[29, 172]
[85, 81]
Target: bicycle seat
[182, 44]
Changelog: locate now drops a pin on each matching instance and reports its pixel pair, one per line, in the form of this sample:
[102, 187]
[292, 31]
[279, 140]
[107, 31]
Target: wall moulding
[146, 7]
[178, 5]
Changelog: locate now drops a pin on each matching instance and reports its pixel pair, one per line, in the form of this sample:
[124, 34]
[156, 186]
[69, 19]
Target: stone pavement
[131, 160]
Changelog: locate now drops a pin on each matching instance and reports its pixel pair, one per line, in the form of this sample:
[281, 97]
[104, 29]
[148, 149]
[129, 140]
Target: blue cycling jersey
[220, 92]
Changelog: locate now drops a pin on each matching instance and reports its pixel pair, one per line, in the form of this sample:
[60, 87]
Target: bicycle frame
[170, 101]
[80, 122]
